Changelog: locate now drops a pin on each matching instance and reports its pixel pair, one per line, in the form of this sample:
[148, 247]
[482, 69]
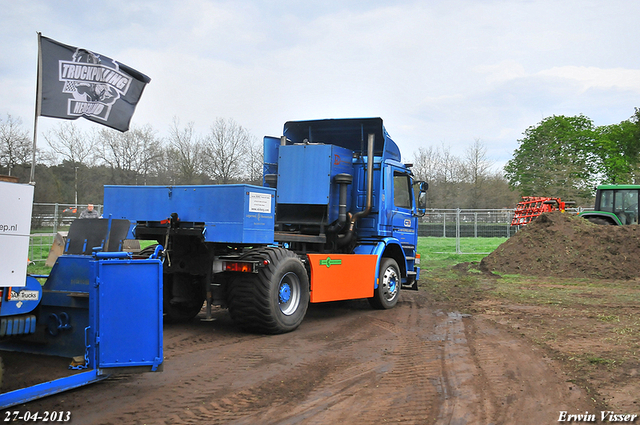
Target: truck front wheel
[275, 299]
[388, 291]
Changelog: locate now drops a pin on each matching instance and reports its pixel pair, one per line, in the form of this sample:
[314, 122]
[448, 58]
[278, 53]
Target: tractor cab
[615, 205]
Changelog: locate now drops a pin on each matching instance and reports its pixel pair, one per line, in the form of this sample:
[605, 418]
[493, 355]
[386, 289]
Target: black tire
[599, 221]
[386, 295]
[275, 299]
[183, 297]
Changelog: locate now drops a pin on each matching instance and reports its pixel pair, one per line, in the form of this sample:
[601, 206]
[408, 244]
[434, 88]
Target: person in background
[89, 212]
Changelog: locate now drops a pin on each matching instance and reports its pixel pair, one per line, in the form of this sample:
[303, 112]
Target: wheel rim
[289, 293]
[390, 283]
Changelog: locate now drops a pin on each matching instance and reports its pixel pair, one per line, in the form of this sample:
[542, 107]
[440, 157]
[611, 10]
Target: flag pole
[32, 180]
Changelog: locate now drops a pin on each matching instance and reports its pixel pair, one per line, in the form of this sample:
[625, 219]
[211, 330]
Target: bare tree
[425, 163]
[254, 163]
[225, 150]
[476, 169]
[184, 153]
[68, 143]
[448, 178]
[15, 144]
[133, 156]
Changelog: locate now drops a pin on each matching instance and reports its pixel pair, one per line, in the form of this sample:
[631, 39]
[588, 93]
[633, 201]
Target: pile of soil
[563, 245]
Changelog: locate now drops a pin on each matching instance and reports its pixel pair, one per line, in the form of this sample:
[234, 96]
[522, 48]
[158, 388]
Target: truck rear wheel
[275, 299]
[388, 291]
[183, 297]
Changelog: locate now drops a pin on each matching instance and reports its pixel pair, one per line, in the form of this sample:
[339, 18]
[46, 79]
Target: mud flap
[336, 277]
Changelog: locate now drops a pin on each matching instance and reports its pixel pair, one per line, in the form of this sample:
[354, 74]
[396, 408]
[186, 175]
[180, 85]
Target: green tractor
[615, 205]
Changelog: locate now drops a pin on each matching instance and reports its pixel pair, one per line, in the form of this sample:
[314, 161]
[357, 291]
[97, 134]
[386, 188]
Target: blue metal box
[305, 176]
[230, 213]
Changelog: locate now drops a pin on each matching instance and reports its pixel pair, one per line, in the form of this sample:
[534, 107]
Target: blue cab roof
[349, 133]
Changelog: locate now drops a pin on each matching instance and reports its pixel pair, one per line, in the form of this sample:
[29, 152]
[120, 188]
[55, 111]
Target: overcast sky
[437, 72]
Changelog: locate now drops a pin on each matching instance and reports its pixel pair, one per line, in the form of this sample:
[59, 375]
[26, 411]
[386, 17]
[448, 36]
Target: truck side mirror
[421, 199]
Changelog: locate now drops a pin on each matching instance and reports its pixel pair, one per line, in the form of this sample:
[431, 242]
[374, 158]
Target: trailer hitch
[57, 323]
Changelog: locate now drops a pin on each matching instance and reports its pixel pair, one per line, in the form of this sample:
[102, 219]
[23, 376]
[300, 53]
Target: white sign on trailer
[15, 227]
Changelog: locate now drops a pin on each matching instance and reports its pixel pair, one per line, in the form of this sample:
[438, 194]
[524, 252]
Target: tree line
[560, 156]
[469, 181]
[75, 163]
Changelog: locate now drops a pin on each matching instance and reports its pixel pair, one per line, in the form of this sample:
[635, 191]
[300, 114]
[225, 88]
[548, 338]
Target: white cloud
[437, 71]
[589, 77]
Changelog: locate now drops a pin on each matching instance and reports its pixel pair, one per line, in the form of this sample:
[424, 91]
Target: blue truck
[335, 219]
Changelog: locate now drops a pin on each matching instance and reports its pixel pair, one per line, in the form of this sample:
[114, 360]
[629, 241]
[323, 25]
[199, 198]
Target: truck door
[403, 220]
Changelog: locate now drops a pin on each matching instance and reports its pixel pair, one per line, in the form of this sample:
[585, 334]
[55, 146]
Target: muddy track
[345, 364]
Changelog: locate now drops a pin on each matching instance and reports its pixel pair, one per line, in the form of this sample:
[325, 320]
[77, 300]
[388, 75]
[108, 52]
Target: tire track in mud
[460, 402]
[345, 364]
[297, 381]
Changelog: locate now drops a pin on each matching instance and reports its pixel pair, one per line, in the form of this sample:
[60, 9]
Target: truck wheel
[388, 291]
[275, 299]
[183, 297]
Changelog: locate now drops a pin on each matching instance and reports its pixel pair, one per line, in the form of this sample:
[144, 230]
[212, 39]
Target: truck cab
[309, 164]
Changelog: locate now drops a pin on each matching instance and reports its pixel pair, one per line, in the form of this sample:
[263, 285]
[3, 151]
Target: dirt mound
[565, 245]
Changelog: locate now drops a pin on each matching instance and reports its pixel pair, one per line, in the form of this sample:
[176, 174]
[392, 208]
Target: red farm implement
[532, 206]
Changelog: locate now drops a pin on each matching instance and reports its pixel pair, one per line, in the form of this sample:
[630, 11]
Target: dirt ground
[416, 364]
[473, 346]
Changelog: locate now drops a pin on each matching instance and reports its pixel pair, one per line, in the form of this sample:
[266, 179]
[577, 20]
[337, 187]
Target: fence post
[444, 225]
[475, 224]
[458, 231]
[55, 218]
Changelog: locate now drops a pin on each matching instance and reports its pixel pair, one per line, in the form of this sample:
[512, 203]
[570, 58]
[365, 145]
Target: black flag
[75, 82]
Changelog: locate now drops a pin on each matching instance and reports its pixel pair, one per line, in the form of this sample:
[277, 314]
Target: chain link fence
[46, 221]
[470, 223]
[49, 219]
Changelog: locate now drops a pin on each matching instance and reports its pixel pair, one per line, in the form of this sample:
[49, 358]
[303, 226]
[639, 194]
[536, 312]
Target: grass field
[437, 253]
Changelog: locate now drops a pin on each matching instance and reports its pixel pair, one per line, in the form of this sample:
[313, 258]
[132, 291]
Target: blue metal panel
[63, 312]
[270, 156]
[230, 213]
[378, 248]
[34, 392]
[368, 226]
[23, 300]
[128, 313]
[306, 172]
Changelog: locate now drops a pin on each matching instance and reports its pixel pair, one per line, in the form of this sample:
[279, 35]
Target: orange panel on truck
[337, 277]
